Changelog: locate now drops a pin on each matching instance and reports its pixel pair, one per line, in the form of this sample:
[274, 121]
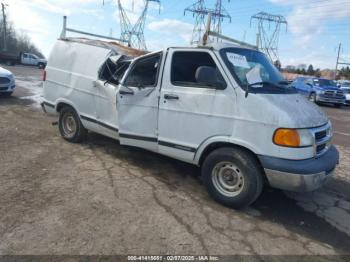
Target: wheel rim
[228, 179]
[69, 125]
[312, 98]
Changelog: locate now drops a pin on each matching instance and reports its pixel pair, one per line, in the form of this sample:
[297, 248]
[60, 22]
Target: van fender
[220, 139]
[67, 102]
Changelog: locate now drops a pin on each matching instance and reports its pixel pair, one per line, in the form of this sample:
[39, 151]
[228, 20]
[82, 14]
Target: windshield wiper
[263, 83]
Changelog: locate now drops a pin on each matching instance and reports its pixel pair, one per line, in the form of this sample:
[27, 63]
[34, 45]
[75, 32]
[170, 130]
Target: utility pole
[4, 33]
[336, 65]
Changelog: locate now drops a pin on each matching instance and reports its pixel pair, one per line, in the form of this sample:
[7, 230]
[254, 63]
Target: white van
[224, 108]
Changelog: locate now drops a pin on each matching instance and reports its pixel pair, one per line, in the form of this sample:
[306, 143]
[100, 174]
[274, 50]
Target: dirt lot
[101, 198]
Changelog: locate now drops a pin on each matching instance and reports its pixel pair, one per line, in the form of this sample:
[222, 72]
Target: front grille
[322, 137]
[3, 88]
[320, 148]
[4, 80]
[334, 94]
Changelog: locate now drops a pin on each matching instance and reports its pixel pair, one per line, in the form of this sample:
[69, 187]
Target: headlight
[293, 137]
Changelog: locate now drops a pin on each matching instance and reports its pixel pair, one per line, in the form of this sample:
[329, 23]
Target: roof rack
[65, 29]
[208, 33]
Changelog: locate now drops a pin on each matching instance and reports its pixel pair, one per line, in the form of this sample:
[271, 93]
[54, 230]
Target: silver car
[7, 82]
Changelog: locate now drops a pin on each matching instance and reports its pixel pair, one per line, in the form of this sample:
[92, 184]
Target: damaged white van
[224, 108]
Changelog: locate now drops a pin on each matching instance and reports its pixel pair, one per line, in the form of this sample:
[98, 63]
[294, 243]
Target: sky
[315, 27]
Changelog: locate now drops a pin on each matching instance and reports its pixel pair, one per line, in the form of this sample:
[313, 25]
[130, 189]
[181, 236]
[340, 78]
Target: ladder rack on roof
[65, 29]
[223, 37]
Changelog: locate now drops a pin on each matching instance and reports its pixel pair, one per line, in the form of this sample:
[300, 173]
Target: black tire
[245, 165]
[337, 105]
[67, 119]
[41, 65]
[312, 98]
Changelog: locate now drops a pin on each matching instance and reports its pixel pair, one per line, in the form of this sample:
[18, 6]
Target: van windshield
[254, 72]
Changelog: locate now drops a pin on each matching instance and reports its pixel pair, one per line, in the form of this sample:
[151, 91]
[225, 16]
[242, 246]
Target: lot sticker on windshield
[238, 60]
[253, 76]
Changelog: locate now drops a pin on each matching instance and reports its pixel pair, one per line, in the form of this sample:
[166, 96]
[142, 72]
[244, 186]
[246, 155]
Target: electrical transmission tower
[133, 34]
[200, 12]
[137, 37]
[269, 27]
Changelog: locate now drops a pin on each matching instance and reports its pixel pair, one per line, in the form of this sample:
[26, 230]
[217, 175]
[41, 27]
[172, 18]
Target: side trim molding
[99, 123]
[184, 148]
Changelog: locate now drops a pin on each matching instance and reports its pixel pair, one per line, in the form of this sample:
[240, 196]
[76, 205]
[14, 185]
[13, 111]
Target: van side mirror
[209, 76]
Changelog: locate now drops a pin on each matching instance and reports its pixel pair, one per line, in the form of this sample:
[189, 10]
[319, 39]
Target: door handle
[126, 92]
[171, 97]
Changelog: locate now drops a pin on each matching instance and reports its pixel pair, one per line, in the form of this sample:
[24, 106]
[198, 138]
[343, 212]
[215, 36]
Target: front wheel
[233, 177]
[70, 126]
[312, 98]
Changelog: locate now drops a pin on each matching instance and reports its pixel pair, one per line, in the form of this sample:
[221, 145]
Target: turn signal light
[286, 137]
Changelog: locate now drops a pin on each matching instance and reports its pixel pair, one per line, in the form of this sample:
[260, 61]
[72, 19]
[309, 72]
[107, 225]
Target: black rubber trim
[48, 104]
[185, 148]
[143, 138]
[99, 123]
[326, 162]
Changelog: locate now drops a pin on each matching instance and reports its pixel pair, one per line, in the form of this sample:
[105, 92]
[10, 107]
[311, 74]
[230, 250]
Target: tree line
[16, 42]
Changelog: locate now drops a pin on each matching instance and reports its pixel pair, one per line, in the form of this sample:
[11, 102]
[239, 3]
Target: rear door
[191, 112]
[137, 103]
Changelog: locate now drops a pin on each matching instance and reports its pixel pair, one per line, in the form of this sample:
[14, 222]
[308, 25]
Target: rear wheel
[70, 126]
[233, 177]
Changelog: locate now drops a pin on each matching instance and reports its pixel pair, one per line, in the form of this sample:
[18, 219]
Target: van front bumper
[300, 175]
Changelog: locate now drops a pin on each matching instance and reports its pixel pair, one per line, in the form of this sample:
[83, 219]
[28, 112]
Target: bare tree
[17, 42]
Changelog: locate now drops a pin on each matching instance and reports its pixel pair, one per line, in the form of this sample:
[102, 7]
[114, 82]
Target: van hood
[287, 110]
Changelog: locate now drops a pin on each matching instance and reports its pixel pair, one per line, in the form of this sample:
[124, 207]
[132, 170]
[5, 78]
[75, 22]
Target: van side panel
[71, 73]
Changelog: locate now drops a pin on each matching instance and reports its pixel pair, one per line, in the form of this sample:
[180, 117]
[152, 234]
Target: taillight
[44, 75]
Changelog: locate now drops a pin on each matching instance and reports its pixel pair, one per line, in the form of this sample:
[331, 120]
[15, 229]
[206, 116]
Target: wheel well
[218, 145]
[61, 105]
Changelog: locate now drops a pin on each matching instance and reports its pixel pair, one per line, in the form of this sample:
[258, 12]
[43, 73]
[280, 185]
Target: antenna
[200, 12]
[269, 27]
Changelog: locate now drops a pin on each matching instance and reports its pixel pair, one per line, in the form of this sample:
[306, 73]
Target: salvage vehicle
[319, 90]
[7, 82]
[22, 59]
[222, 107]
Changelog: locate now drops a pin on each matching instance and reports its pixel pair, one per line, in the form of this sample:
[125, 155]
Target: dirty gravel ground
[101, 198]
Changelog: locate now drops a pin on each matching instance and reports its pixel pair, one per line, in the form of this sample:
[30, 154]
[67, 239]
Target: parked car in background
[7, 82]
[319, 90]
[22, 58]
[346, 91]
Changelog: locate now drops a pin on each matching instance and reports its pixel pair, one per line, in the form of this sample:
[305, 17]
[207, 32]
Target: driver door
[137, 103]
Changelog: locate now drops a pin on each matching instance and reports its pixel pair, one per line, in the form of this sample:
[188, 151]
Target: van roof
[118, 48]
[132, 52]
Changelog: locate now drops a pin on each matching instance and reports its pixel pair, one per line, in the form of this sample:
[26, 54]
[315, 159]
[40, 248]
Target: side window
[184, 68]
[144, 72]
[25, 56]
[113, 72]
